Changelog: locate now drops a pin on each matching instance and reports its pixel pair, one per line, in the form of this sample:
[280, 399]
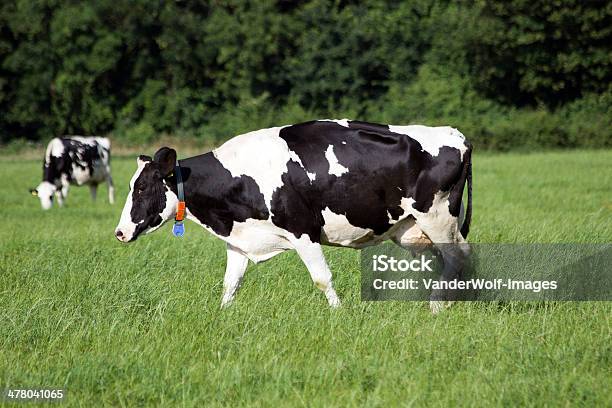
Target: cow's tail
[465, 227]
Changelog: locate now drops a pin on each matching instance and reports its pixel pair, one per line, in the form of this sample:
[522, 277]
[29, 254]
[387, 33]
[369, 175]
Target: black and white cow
[327, 182]
[74, 160]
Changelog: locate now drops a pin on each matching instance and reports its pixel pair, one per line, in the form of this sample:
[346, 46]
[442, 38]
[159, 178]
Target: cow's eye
[139, 191]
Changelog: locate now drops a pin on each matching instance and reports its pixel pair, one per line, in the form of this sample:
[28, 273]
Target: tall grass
[140, 324]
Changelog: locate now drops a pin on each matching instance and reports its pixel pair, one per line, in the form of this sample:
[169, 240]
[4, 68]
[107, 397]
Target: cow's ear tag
[179, 229]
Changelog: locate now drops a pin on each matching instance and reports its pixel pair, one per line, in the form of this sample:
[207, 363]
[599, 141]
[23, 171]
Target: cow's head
[150, 202]
[44, 192]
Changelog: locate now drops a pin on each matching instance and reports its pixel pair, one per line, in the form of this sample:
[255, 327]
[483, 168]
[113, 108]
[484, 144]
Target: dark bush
[509, 74]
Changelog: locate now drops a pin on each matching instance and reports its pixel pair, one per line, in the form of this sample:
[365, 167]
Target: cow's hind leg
[235, 267]
[93, 190]
[111, 188]
[311, 254]
[443, 231]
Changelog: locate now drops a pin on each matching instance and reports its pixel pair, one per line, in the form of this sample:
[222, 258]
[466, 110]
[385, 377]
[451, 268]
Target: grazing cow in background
[74, 160]
[327, 182]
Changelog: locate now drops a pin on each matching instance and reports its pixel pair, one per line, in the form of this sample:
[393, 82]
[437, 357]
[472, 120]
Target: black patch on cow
[148, 198]
[293, 208]
[383, 167]
[215, 197]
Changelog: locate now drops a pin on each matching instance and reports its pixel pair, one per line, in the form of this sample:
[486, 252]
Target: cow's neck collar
[179, 228]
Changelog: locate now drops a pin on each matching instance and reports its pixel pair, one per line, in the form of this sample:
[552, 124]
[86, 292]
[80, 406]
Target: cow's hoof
[226, 303]
[436, 306]
[334, 303]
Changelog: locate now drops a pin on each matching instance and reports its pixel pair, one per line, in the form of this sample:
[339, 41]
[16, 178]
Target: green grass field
[140, 324]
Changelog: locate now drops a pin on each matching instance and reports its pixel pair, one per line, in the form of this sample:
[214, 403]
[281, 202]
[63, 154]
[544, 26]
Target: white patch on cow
[261, 154]
[406, 205]
[432, 139]
[45, 191]
[341, 122]
[311, 176]
[405, 228]
[335, 168]
[55, 148]
[344, 142]
[258, 240]
[438, 223]
[293, 156]
[338, 230]
[80, 175]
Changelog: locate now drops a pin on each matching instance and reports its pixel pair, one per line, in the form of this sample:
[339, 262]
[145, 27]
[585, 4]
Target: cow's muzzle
[121, 236]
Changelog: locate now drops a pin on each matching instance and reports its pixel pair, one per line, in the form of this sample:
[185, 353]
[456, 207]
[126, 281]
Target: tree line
[507, 73]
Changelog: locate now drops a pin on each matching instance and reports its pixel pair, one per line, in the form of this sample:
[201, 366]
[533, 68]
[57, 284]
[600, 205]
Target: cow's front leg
[234, 271]
[312, 256]
[62, 192]
[59, 197]
[65, 187]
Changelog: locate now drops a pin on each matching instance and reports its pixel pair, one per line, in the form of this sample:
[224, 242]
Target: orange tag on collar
[180, 211]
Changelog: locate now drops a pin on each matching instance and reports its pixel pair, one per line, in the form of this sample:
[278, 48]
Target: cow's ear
[166, 159]
[143, 159]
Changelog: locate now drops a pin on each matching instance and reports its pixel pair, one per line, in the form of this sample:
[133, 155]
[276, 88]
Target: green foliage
[542, 52]
[507, 73]
[141, 133]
